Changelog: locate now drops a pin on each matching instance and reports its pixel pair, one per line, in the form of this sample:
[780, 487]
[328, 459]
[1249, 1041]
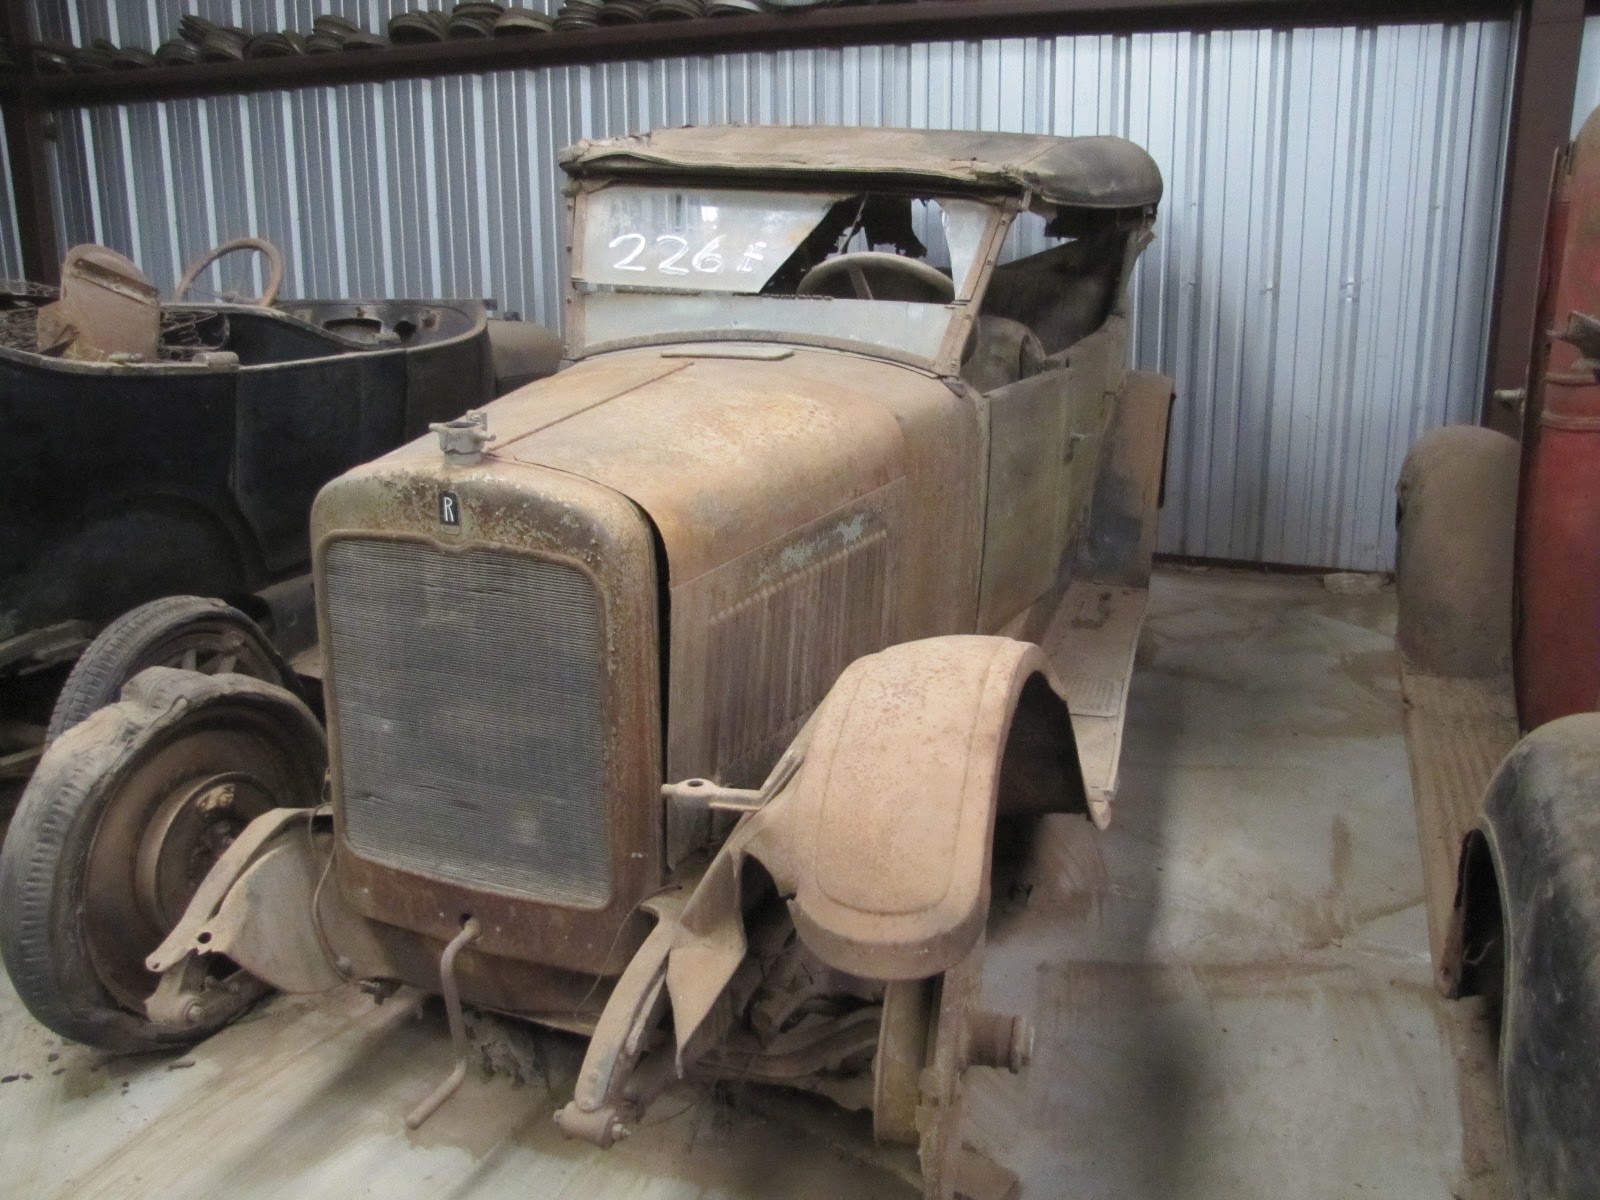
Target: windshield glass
[883, 269]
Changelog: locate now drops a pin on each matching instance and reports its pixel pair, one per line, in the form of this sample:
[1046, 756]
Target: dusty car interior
[263, 337]
[319, 329]
[902, 253]
[792, 263]
[157, 450]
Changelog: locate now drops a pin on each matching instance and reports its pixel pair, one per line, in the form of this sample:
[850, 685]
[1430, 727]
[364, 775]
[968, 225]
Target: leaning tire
[190, 632]
[1456, 511]
[123, 816]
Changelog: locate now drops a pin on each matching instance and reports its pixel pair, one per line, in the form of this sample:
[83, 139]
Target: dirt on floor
[1231, 990]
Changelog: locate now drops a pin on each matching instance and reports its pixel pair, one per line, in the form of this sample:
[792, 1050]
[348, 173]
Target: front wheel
[124, 816]
[932, 1032]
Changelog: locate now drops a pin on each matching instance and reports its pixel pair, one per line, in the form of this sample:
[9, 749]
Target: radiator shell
[511, 517]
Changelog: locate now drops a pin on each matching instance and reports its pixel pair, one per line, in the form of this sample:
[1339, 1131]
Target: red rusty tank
[1557, 655]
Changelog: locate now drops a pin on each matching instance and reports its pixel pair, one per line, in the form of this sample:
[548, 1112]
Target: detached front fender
[884, 836]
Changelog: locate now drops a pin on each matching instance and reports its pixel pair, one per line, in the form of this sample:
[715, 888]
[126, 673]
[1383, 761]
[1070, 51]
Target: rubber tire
[42, 866]
[122, 649]
[1456, 512]
[1541, 826]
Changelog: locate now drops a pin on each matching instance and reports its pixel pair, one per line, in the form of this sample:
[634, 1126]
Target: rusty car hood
[726, 447]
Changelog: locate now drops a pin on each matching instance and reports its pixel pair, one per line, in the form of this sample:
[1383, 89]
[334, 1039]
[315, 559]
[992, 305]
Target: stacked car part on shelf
[198, 40]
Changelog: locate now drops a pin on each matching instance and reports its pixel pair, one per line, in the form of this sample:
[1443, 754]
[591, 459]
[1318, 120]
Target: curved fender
[885, 837]
[1541, 830]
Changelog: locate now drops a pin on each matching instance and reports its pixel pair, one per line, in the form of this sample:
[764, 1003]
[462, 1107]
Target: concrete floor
[1231, 991]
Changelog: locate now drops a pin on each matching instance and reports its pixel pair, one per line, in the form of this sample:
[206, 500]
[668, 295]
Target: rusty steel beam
[25, 119]
[1549, 37]
[874, 24]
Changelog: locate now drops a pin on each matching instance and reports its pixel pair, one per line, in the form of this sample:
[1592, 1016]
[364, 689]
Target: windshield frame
[962, 310]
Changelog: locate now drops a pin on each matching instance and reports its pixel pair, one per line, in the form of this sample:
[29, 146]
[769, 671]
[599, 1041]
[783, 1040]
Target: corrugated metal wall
[1587, 97]
[10, 242]
[1319, 286]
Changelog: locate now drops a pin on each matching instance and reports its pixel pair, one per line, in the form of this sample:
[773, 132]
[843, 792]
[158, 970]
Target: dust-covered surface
[1232, 984]
[1231, 988]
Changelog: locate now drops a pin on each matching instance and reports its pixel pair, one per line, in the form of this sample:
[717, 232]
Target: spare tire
[191, 633]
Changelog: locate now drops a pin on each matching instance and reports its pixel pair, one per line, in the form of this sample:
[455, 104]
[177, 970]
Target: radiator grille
[468, 695]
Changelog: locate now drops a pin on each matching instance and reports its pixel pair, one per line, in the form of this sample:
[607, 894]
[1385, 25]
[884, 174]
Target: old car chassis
[851, 543]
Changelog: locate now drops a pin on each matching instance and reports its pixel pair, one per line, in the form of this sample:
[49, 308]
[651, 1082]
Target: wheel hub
[168, 813]
[186, 836]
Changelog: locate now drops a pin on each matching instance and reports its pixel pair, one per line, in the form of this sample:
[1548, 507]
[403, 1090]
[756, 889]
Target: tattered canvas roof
[1088, 172]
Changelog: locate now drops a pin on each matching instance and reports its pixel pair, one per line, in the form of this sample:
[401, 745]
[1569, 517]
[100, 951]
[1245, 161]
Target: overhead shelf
[814, 27]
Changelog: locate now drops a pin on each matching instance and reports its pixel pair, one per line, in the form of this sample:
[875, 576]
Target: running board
[1090, 634]
[1457, 732]
[1091, 640]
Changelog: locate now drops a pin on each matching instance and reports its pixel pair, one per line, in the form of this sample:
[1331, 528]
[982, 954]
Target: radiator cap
[463, 440]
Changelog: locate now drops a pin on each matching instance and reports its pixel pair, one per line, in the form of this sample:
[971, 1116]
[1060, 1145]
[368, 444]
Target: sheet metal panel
[1586, 97]
[1319, 283]
[10, 239]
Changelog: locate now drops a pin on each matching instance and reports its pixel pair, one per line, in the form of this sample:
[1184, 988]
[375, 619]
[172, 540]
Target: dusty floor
[1231, 991]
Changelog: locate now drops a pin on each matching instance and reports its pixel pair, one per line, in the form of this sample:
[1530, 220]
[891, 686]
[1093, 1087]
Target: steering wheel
[266, 249]
[874, 275]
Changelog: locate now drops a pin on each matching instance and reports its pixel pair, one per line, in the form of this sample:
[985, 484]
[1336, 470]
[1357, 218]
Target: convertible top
[1081, 172]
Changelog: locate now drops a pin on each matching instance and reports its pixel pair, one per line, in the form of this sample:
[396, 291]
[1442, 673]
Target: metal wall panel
[1318, 286]
[1586, 96]
[10, 238]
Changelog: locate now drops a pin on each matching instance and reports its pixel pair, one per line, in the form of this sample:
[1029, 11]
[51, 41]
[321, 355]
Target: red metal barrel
[1557, 653]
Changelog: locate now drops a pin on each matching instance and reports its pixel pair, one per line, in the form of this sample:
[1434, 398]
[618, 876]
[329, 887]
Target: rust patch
[1095, 612]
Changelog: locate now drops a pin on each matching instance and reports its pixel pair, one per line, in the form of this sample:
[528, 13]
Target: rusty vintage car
[674, 699]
